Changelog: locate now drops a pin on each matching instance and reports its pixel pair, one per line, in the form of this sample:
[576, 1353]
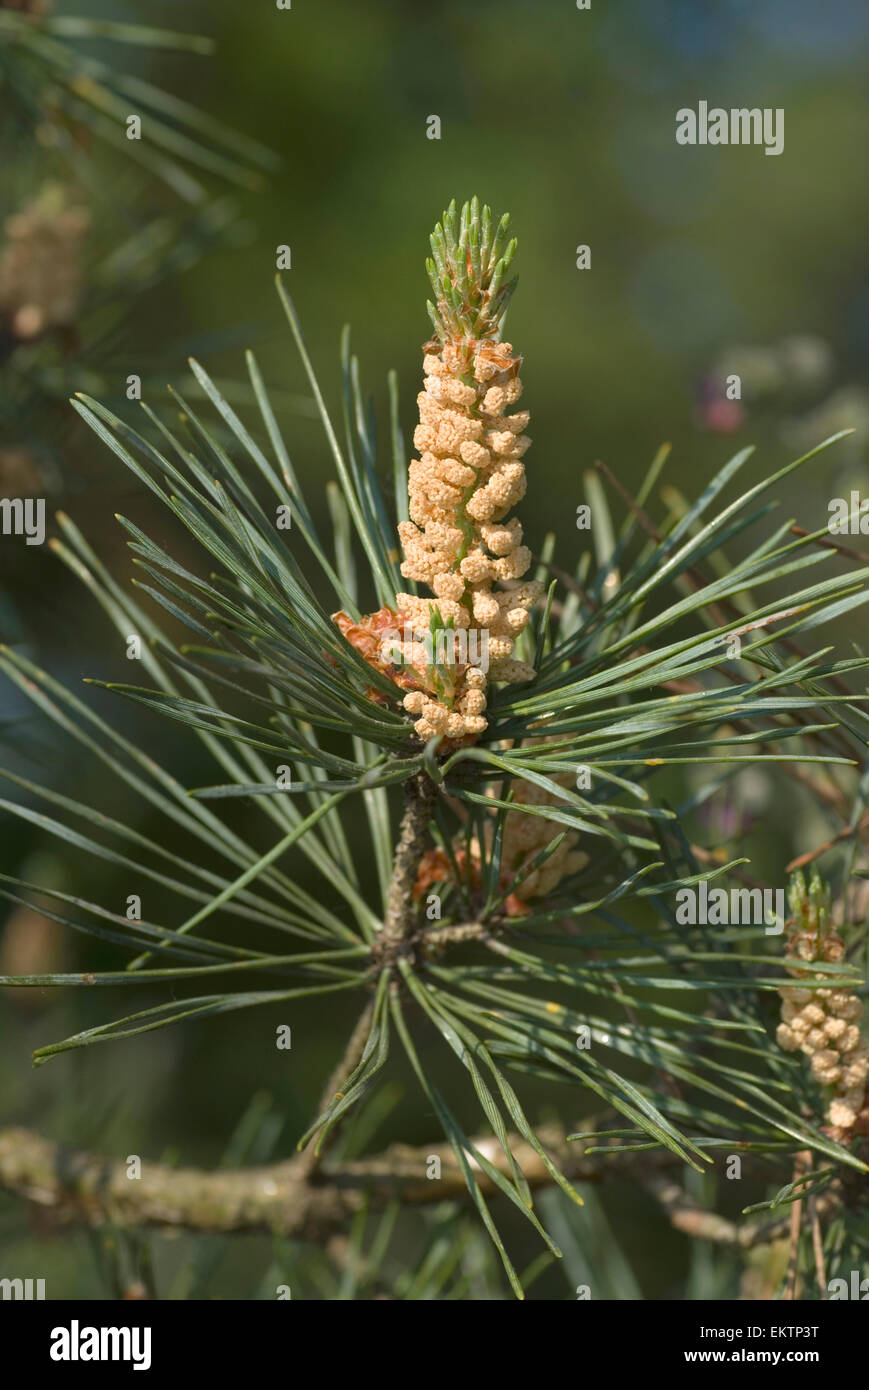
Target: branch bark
[420, 793]
[283, 1199]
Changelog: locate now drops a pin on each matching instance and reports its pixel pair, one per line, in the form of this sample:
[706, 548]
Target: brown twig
[847, 833]
[802, 1162]
[691, 1219]
[310, 1161]
[818, 1246]
[93, 1190]
[826, 544]
[398, 927]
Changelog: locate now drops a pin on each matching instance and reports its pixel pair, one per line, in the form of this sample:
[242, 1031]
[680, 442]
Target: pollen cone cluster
[460, 540]
[525, 836]
[823, 1024]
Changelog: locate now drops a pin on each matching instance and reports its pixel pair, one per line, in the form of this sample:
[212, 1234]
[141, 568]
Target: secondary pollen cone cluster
[822, 1023]
[524, 837]
[41, 264]
[460, 540]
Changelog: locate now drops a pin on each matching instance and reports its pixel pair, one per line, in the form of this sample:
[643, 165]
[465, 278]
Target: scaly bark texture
[420, 796]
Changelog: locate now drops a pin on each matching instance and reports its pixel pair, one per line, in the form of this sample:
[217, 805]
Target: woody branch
[80, 1188]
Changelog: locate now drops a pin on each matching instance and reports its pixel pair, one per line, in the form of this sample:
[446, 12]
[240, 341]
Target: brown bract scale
[437, 867]
[378, 637]
[367, 636]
